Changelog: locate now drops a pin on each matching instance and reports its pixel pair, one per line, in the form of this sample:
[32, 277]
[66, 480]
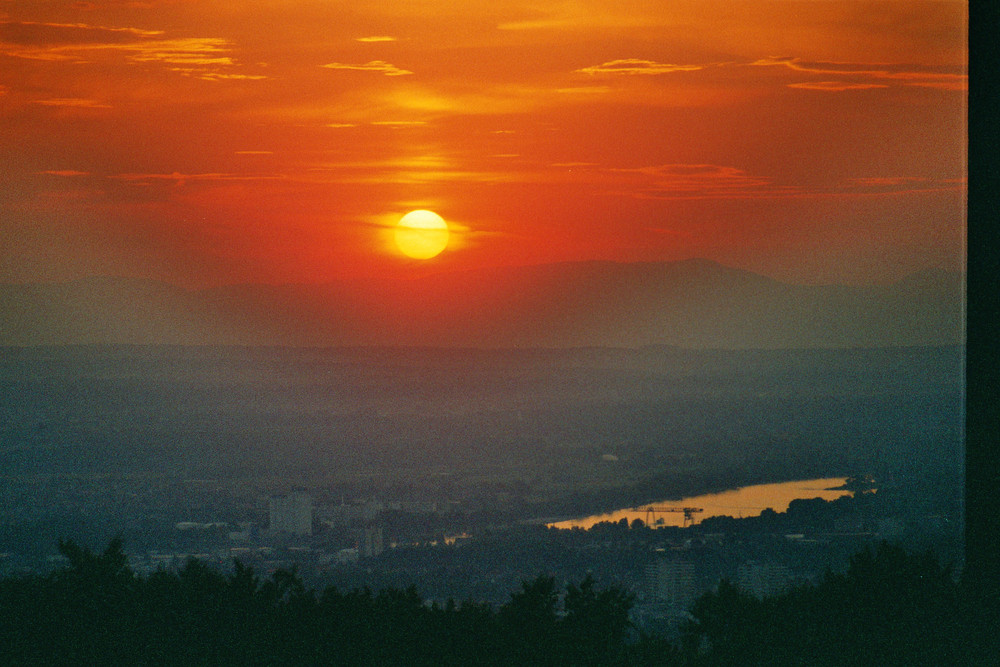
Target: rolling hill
[692, 303]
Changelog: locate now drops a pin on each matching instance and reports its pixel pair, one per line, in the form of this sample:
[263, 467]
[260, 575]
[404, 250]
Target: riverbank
[741, 502]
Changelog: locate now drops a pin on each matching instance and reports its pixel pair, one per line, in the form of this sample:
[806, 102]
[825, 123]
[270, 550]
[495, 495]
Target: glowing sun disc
[421, 234]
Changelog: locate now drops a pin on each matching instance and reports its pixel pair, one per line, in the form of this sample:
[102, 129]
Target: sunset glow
[211, 143]
[421, 234]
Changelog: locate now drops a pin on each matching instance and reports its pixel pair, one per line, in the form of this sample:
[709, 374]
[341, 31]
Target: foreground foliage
[888, 608]
[96, 611]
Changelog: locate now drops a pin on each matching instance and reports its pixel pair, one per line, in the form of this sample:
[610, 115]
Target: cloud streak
[868, 75]
[588, 15]
[379, 66]
[190, 51]
[48, 33]
[68, 173]
[709, 181]
[73, 102]
[181, 179]
[584, 90]
[836, 86]
[701, 181]
[631, 66]
[207, 58]
[399, 123]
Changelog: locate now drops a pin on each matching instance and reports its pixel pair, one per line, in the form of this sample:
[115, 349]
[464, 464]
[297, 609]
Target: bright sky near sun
[207, 142]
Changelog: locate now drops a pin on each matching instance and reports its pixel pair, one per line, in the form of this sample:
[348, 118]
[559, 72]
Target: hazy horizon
[691, 304]
[432, 272]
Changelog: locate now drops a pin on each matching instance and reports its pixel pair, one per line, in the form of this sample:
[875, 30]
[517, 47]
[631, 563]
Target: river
[743, 502]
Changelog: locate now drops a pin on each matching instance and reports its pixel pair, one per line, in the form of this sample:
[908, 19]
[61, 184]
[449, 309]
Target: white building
[763, 579]
[291, 513]
[372, 541]
[671, 580]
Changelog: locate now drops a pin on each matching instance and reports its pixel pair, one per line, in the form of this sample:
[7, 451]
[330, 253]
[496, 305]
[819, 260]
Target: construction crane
[689, 513]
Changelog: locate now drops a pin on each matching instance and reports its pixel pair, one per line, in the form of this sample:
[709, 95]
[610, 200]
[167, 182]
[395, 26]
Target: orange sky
[207, 142]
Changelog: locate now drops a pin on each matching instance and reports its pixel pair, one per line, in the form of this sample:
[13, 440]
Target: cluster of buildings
[672, 581]
[291, 514]
[667, 570]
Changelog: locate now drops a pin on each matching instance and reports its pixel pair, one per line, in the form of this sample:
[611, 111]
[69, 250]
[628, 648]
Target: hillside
[692, 303]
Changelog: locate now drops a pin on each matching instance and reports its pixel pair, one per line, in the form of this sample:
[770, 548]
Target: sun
[421, 234]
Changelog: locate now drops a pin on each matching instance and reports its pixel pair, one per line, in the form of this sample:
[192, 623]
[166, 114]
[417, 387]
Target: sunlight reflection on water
[744, 502]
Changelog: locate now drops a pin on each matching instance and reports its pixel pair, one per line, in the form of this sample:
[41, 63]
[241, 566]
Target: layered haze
[693, 304]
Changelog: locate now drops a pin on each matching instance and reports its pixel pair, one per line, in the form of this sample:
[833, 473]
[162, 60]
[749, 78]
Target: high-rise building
[762, 579]
[291, 513]
[373, 542]
[671, 580]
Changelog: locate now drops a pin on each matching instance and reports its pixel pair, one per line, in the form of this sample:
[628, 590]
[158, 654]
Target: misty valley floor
[439, 444]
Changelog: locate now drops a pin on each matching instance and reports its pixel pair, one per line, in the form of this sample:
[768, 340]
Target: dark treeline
[97, 611]
[889, 607]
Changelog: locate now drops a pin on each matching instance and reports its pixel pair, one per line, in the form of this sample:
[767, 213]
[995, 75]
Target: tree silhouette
[528, 621]
[595, 622]
[888, 608]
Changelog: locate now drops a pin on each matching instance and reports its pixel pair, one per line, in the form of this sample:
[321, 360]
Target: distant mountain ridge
[692, 303]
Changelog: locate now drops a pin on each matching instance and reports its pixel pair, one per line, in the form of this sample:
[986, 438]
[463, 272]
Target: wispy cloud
[379, 66]
[399, 123]
[69, 173]
[51, 54]
[702, 181]
[896, 185]
[583, 16]
[637, 66]
[584, 90]
[208, 58]
[869, 75]
[75, 102]
[218, 76]
[190, 51]
[888, 180]
[181, 179]
[376, 38]
[539, 24]
[439, 168]
[836, 86]
[40, 33]
[709, 181]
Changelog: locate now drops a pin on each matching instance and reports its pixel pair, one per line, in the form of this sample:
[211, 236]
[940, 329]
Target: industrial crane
[689, 513]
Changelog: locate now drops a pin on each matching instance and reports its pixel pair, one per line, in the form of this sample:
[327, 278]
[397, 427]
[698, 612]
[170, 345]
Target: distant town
[461, 549]
[389, 469]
